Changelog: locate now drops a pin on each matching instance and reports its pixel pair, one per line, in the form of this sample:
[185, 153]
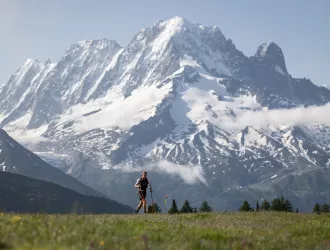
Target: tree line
[281, 205]
[186, 208]
[278, 204]
[321, 208]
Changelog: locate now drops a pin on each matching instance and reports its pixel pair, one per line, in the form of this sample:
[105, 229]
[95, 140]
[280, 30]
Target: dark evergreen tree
[186, 208]
[287, 206]
[276, 205]
[205, 207]
[325, 208]
[257, 207]
[316, 208]
[195, 210]
[174, 208]
[297, 210]
[246, 206]
[281, 204]
[265, 205]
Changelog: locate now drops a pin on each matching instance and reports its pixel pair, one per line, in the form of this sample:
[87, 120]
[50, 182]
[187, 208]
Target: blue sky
[44, 29]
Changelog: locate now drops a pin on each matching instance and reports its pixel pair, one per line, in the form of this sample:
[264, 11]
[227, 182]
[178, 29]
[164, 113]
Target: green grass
[187, 231]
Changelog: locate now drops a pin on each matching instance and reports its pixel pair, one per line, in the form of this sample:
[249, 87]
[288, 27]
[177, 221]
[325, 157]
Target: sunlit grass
[186, 231]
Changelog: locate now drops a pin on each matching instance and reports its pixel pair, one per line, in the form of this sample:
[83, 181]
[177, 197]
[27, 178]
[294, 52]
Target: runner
[142, 184]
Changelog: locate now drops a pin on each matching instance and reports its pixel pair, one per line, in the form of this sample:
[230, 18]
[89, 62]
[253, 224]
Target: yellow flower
[16, 218]
[101, 242]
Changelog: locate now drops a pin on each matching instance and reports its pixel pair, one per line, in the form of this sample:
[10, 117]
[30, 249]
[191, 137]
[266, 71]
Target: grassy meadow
[237, 230]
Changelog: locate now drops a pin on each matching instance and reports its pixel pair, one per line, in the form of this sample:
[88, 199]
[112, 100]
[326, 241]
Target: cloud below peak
[190, 174]
[276, 117]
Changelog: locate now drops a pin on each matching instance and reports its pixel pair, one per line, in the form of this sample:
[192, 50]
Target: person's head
[144, 174]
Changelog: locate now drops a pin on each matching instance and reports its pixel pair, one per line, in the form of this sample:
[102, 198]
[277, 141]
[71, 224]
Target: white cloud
[190, 174]
[276, 117]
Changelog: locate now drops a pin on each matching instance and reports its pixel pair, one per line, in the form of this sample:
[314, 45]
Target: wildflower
[102, 242]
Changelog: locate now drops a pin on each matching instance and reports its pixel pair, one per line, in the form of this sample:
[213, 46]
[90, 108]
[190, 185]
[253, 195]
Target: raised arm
[137, 184]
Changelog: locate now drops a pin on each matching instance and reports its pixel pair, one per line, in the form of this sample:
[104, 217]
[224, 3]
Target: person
[142, 184]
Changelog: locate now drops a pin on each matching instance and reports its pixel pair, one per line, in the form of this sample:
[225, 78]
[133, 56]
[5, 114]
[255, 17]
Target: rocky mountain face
[181, 101]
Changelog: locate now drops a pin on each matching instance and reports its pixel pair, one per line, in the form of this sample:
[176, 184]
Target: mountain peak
[272, 53]
[269, 48]
[48, 61]
[30, 62]
[178, 23]
[175, 22]
[178, 30]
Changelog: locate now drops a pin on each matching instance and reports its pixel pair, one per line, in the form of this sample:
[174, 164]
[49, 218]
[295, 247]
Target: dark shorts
[142, 194]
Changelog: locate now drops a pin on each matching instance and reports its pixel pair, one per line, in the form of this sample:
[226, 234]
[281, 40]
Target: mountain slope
[25, 195]
[178, 93]
[15, 158]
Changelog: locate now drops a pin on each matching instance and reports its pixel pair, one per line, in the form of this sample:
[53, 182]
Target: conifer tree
[287, 206]
[205, 207]
[276, 205]
[265, 205]
[186, 208]
[316, 208]
[281, 204]
[246, 206]
[174, 208]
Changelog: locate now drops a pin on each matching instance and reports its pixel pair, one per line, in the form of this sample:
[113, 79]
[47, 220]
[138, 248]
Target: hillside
[17, 159]
[21, 194]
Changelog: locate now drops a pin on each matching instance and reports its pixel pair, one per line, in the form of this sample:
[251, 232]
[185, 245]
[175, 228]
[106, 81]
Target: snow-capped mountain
[181, 100]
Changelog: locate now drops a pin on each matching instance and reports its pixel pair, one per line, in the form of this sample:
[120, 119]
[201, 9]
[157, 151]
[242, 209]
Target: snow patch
[2, 117]
[145, 150]
[116, 110]
[3, 166]
[279, 70]
[264, 49]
